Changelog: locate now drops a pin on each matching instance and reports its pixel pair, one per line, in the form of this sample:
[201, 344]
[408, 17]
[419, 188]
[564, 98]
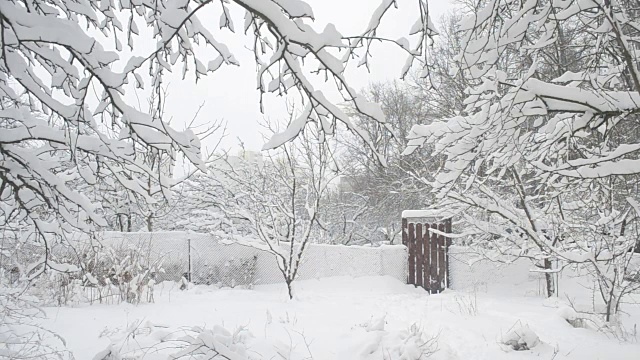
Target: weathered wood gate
[428, 256]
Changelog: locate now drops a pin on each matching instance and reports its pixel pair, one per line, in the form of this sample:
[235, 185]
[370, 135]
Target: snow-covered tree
[366, 204]
[279, 195]
[66, 122]
[207, 204]
[545, 154]
[439, 92]
[62, 91]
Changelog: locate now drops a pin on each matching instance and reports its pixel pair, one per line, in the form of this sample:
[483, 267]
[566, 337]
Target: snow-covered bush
[111, 274]
[210, 343]
[126, 271]
[59, 284]
[575, 319]
[55, 288]
[144, 339]
[409, 344]
[520, 337]
[591, 319]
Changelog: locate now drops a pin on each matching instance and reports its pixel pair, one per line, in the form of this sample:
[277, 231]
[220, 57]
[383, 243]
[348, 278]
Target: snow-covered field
[344, 318]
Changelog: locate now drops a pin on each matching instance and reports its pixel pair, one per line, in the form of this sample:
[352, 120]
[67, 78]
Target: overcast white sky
[230, 94]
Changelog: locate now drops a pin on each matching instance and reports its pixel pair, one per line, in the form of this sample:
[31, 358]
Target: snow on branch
[281, 26]
[544, 153]
[66, 121]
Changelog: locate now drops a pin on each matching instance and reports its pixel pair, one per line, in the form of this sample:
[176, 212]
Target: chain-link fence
[208, 259]
[113, 267]
[470, 271]
[114, 258]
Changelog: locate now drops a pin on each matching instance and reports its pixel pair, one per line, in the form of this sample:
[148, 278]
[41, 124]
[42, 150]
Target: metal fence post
[189, 258]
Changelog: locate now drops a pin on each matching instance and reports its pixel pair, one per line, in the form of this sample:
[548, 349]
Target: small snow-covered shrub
[140, 339]
[596, 320]
[467, 303]
[570, 315]
[416, 344]
[122, 272]
[21, 268]
[579, 319]
[55, 288]
[234, 272]
[111, 274]
[520, 337]
[208, 343]
[126, 271]
[409, 344]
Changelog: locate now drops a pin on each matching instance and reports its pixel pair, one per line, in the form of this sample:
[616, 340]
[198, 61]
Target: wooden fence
[428, 258]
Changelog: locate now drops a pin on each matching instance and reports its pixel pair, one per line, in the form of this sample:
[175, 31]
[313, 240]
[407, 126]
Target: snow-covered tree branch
[63, 85]
[280, 196]
[543, 157]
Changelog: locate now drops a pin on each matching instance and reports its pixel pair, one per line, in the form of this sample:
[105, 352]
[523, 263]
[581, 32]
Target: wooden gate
[428, 256]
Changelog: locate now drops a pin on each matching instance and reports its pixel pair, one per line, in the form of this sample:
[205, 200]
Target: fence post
[433, 276]
[412, 255]
[189, 258]
[404, 231]
[426, 277]
[419, 255]
[442, 265]
[405, 243]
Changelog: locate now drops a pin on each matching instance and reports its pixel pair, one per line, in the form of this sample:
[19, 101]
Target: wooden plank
[405, 242]
[419, 258]
[404, 231]
[442, 265]
[412, 255]
[447, 228]
[433, 276]
[426, 264]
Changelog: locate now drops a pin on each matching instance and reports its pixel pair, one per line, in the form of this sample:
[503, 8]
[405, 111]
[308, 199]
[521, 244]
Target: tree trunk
[120, 223]
[290, 288]
[614, 297]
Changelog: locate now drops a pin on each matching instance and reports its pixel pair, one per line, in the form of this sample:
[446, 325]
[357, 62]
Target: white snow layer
[344, 318]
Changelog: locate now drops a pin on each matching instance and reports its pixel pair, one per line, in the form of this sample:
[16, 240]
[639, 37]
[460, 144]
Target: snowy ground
[345, 318]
